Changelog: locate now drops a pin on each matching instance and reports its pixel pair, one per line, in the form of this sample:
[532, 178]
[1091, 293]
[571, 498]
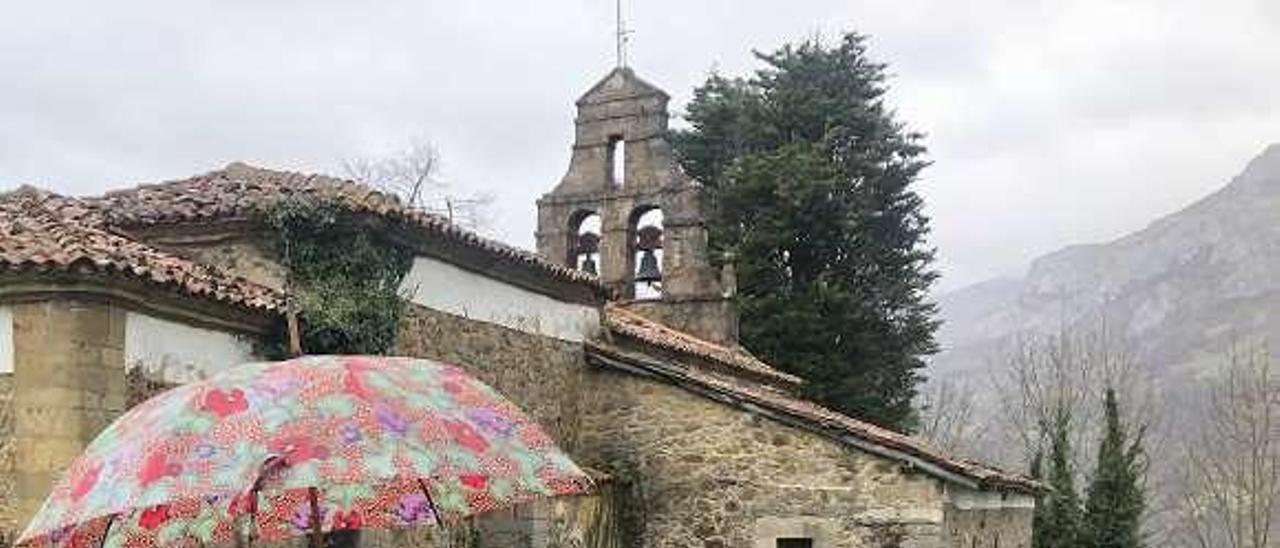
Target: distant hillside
[1180, 289]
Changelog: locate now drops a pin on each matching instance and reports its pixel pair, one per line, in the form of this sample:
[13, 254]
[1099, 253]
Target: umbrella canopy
[275, 450]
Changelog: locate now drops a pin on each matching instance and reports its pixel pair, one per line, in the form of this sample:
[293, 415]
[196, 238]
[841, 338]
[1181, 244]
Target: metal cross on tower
[623, 37]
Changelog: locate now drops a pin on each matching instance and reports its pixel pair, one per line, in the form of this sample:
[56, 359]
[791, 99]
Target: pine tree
[1060, 520]
[811, 181]
[1113, 508]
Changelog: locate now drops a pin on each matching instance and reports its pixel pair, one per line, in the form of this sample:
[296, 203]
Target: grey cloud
[1049, 122]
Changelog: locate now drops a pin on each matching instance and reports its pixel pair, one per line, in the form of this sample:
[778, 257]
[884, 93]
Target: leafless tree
[412, 175]
[1232, 482]
[1039, 375]
[949, 417]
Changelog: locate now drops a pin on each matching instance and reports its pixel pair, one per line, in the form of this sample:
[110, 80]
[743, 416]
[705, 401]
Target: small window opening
[648, 255]
[795, 543]
[617, 160]
[584, 247]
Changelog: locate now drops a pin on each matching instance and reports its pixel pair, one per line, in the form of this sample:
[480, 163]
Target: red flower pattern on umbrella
[342, 442]
[297, 449]
[224, 404]
[154, 517]
[157, 466]
[474, 481]
[84, 482]
[346, 520]
[467, 436]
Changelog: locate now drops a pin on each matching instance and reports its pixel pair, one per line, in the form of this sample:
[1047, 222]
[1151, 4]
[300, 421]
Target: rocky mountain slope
[1180, 290]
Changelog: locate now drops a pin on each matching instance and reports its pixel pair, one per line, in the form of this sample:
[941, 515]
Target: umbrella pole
[107, 530]
[435, 512]
[271, 463]
[253, 516]
[317, 538]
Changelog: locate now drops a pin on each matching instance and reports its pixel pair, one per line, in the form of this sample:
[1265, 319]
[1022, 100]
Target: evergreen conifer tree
[1115, 501]
[1061, 519]
[811, 179]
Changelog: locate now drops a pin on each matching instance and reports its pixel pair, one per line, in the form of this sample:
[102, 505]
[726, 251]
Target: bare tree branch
[411, 175]
[1232, 469]
[1038, 376]
[949, 417]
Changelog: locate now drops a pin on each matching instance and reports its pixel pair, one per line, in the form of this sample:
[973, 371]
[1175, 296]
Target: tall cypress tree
[811, 179]
[1113, 508]
[1061, 519]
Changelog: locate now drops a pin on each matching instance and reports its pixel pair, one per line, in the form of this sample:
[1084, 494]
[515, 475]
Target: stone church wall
[541, 375]
[8, 517]
[8, 514]
[68, 385]
[701, 473]
[248, 256]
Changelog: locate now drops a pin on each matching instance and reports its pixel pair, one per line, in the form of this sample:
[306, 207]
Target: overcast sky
[1049, 122]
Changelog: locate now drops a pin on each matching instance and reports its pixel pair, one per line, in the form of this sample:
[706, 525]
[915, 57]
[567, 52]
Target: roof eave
[168, 301]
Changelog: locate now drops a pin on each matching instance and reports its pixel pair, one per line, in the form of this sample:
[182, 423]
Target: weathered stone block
[68, 385]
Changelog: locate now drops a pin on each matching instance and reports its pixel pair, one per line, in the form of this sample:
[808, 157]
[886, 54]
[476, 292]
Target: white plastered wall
[179, 353]
[447, 288]
[6, 340]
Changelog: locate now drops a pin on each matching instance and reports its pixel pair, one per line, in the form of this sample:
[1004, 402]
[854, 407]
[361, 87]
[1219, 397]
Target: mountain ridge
[1176, 288]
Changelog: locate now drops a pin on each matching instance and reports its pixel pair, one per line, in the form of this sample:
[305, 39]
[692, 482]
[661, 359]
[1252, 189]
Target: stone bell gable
[624, 200]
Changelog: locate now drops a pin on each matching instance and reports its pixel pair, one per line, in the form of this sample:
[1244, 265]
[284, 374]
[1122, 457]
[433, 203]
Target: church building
[620, 337]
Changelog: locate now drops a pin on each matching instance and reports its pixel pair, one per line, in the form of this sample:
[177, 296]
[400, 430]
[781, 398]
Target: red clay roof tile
[241, 190]
[624, 322]
[46, 232]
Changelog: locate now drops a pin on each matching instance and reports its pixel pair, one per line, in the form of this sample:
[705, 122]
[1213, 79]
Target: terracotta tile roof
[240, 190]
[621, 321]
[44, 232]
[781, 402]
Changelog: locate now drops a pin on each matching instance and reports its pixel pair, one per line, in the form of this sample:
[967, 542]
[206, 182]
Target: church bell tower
[627, 212]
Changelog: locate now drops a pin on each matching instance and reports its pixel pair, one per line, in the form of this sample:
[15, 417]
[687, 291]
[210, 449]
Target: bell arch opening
[584, 242]
[647, 268]
[617, 161]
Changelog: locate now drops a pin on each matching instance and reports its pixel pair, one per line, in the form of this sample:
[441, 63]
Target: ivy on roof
[344, 278]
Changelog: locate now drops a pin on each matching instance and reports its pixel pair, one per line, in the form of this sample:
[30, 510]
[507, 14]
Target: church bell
[649, 271]
[648, 241]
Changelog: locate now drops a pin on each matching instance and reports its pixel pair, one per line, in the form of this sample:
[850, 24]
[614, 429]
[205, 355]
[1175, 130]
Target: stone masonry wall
[8, 518]
[544, 377]
[541, 375]
[247, 256]
[68, 385]
[704, 474]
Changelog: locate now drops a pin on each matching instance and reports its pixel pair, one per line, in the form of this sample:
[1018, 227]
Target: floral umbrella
[315, 444]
